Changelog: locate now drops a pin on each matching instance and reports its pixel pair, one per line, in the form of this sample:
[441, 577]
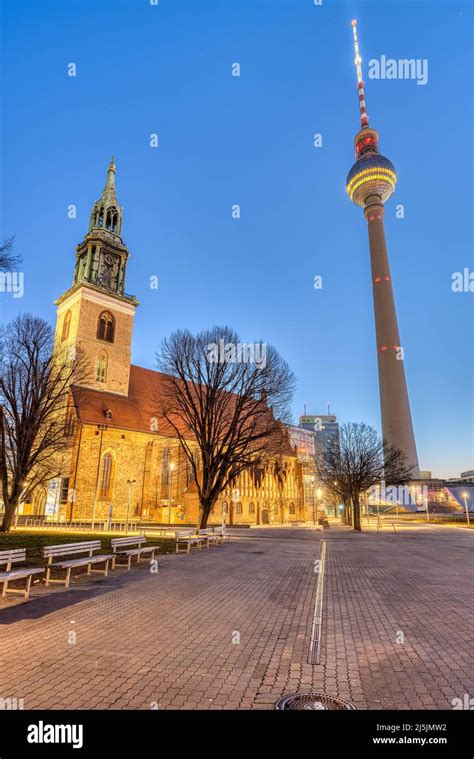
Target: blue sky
[223, 140]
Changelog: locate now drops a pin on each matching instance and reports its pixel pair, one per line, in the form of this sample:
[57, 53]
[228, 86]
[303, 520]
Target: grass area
[34, 540]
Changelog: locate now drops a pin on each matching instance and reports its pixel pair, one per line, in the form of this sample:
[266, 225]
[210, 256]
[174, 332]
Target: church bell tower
[96, 315]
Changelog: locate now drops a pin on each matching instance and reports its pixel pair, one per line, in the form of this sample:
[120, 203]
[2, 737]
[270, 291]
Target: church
[119, 466]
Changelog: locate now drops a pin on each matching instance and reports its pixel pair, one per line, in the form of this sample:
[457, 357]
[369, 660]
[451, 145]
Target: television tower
[369, 184]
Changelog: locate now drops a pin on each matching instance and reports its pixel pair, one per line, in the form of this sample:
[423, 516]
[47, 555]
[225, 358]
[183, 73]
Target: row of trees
[357, 461]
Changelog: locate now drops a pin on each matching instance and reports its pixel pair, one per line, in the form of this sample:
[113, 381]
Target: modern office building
[325, 428]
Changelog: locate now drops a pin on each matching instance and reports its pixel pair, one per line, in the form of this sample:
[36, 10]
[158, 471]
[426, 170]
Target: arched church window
[101, 367]
[106, 327]
[106, 478]
[66, 327]
[292, 508]
[101, 218]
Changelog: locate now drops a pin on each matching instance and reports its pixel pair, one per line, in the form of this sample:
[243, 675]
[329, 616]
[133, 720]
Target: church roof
[139, 411]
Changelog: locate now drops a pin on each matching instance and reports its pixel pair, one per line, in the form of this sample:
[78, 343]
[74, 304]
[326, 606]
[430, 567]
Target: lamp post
[312, 498]
[130, 484]
[170, 490]
[336, 507]
[379, 524]
[464, 495]
[318, 493]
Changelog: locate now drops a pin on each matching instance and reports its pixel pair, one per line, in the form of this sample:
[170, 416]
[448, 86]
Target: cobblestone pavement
[230, 627]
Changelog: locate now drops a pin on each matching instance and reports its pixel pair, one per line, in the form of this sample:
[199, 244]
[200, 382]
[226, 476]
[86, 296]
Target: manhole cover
[312, 702]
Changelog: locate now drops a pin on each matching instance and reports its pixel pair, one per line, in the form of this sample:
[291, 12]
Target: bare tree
[227, 397]
[356, 461]
[34, 387]
[8, 259]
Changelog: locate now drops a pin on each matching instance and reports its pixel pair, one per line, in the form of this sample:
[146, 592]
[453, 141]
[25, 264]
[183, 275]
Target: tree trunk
[204, 512]
[10, 510]
[357, 525]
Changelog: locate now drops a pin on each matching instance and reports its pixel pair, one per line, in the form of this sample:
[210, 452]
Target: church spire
[106, 213]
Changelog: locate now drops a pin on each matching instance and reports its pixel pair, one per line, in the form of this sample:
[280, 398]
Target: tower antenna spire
[364, 119]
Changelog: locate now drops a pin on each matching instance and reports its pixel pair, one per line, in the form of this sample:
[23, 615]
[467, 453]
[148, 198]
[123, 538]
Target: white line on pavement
[314, 654]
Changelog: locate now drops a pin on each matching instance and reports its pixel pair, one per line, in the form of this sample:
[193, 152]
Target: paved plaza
[231, 627]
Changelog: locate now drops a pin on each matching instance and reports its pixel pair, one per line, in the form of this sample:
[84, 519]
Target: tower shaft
[397, 426]
[370, 183]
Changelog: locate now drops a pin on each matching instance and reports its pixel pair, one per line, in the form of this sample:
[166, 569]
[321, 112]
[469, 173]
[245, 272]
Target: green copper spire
[106, 213]
[101, 258]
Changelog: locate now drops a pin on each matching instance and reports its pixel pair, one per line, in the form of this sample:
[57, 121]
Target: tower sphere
[372, 174]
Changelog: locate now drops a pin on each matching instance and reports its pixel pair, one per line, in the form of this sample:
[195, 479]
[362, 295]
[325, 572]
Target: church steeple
[96, 314]
[106, 213]
[101, 259]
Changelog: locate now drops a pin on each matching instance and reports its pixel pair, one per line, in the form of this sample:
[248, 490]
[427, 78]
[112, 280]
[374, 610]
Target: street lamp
[318, 493]
[312, 498]
[464, 495]
[170, 491]
[130, 484]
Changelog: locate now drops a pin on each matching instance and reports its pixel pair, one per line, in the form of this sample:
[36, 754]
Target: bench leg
[5, 587]
[68, 577]
[28, 586]
[104, 571]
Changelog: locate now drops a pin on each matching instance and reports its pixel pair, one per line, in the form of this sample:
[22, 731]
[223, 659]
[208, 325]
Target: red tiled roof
[139, 411]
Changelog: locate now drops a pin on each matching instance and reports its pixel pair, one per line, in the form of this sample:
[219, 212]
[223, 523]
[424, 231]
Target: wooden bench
[11, 557]
[209, 536]
[122, 549]
[188, 538]
[221, 534]
[69, 549]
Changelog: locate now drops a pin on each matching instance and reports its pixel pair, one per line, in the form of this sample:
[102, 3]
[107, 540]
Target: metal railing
[81, 525]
